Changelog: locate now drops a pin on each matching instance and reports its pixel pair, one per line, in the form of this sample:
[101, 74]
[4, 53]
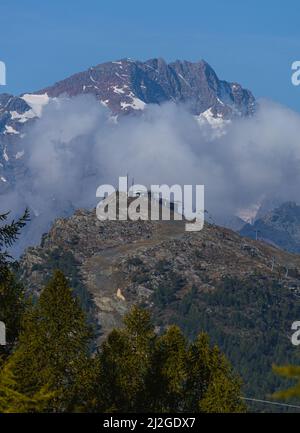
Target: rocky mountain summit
[124, 87]
[234, 288]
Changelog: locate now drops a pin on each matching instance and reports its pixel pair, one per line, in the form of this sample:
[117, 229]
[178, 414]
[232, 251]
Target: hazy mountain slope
[280, 227]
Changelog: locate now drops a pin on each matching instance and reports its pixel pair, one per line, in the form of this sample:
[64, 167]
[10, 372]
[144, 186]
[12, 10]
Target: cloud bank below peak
[74, 147]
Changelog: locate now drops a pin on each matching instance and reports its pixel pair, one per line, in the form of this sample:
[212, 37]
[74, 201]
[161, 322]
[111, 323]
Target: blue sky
[251, 42]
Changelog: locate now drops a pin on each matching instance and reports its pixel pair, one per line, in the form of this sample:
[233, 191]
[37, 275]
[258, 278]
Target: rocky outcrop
[236, 289]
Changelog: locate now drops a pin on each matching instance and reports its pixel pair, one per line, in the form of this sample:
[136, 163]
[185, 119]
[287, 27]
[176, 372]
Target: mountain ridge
[155, 81]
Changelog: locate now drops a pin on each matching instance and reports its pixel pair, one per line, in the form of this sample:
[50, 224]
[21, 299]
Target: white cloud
[75, 147]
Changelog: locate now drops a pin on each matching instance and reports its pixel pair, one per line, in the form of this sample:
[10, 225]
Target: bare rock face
[127, 85]
[136, 258]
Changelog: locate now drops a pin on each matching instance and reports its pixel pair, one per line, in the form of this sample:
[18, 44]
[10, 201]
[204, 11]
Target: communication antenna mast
[210, 217]
[256, 234]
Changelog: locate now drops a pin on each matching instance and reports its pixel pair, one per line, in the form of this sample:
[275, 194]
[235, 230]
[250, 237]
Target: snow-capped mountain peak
[125, 87]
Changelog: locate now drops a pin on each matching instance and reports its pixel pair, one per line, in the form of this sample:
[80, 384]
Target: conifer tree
[12, 300]
[8, 235]
[13, 401]
[199, 366]
[125, 362]
[142, 372]
[53, 350]
[222, 395]
[169, 372]
[211, 385]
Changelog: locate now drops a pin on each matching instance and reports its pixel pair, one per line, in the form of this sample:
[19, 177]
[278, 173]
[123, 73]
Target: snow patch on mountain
[10, 130]
[136, 104]
[36, 102]
[217, 123]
